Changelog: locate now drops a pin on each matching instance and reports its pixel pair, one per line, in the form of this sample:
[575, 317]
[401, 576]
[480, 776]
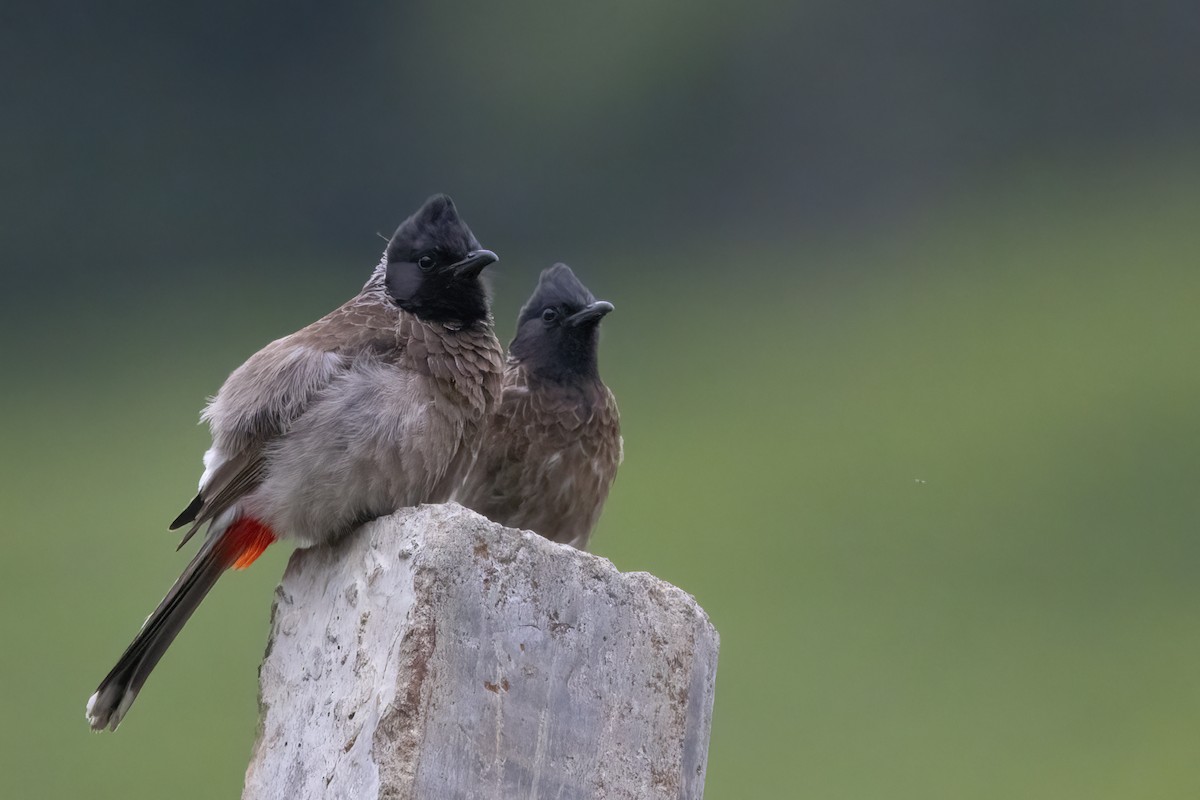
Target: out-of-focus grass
[942, 514]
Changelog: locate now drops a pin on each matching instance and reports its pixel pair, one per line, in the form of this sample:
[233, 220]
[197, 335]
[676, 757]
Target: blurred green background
[905, 346]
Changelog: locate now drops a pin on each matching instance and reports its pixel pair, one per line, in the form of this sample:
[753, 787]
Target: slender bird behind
[551, 450]
[376, 406]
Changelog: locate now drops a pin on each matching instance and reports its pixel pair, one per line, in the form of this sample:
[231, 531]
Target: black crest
[433, 265]
[558, 328]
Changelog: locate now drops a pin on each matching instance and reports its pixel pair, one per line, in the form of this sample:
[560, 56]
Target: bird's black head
[559, 328]
[433, 265]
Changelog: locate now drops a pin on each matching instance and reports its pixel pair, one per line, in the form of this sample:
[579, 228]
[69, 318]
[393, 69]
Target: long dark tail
[237, 547]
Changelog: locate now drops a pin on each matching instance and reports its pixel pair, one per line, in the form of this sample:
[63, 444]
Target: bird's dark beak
[473, 264]
[593, 313]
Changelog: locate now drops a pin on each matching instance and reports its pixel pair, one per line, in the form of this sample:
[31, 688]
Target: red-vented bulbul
[376, 406]
[551, 450]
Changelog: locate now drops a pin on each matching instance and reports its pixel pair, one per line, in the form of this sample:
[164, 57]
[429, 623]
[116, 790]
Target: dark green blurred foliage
[905, 346]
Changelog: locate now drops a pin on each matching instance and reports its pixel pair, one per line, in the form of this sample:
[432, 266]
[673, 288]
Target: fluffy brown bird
[376, 406]
[551, 450]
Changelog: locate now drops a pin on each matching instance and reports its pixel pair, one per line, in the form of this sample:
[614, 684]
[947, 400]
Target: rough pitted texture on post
[434, 654]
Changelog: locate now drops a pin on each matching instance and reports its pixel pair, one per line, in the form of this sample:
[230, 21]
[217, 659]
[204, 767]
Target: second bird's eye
[549, 315]
[425, 263]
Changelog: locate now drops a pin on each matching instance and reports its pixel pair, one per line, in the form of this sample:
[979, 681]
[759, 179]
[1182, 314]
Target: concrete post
[434, 654]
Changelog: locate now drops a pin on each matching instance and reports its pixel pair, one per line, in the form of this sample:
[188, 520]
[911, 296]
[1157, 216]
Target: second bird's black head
[433, 265]
[558, 332]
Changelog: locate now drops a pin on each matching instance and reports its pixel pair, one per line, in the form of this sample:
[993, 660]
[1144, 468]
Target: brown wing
[228, 484]
[263, 397]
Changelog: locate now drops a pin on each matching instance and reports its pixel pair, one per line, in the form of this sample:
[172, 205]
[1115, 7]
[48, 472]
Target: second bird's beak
[473, 264]
[592, 313]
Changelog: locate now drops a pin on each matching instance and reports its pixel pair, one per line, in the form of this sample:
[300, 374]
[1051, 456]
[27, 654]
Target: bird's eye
[425, 262]
[549, 315]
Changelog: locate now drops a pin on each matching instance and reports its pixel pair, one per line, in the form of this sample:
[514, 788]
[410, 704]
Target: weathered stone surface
[436, 655]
